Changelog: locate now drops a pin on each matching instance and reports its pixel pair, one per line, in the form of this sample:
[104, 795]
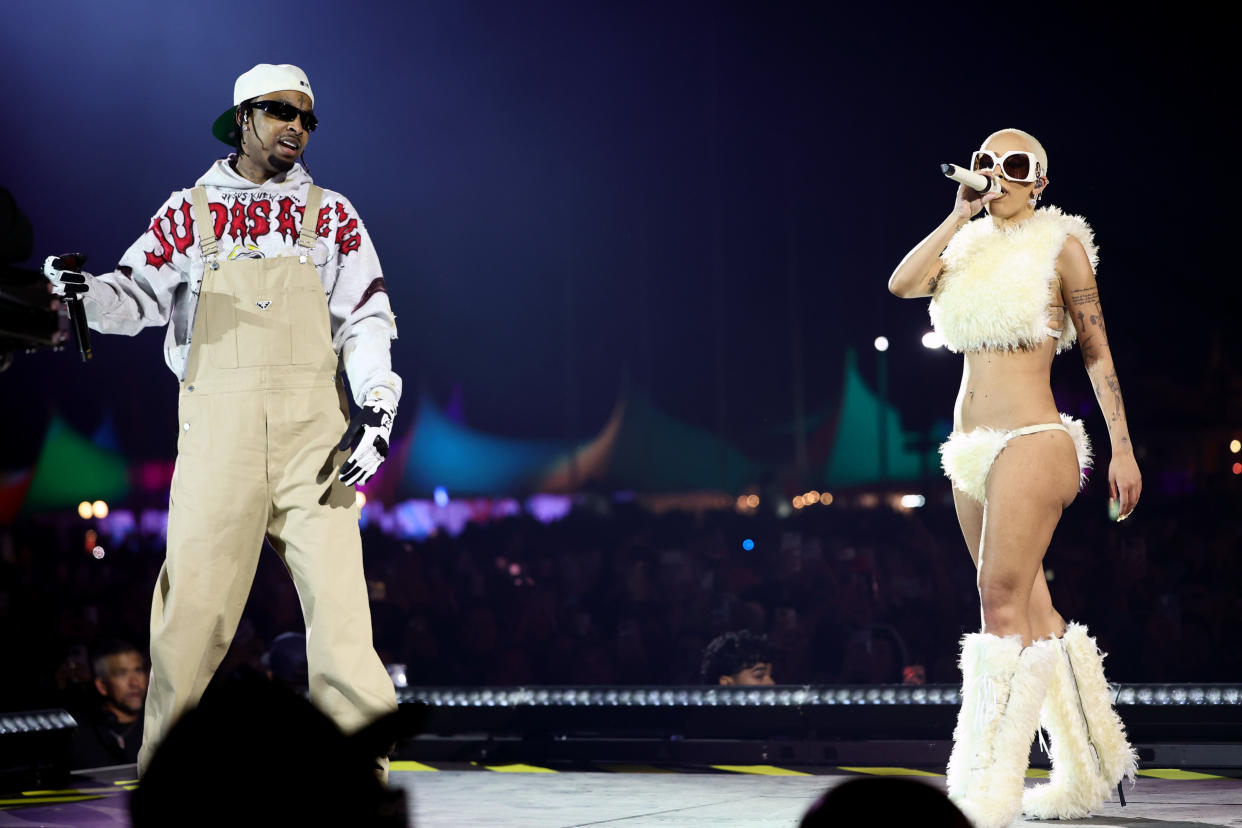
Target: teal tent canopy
[855, 456]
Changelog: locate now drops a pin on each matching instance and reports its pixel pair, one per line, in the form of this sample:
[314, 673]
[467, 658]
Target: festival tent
[639, 448]
[440, 452]
[657, 453]
[71, 469]
[854, 459]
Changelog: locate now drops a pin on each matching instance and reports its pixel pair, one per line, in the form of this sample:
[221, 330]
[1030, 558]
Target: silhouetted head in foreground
[254, 753]
[884, 801]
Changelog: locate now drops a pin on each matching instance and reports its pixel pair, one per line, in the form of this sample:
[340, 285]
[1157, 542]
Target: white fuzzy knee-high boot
[1095, 754]
[1003, 687]
[1075, 787]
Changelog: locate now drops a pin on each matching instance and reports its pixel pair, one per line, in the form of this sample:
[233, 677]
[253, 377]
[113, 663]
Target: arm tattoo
[1085, 296]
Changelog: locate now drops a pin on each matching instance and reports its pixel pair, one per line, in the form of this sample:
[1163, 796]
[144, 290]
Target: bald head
[1030, 141]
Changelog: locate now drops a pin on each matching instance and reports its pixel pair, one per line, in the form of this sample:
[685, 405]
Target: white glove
[65, 274]
[368, 434]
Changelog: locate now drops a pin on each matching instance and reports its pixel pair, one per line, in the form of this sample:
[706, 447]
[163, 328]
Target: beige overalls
[261, 410]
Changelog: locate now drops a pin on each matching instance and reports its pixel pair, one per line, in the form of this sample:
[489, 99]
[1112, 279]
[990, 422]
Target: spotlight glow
[913, 501]
[84, 510]
[933, 340]
[99, 509]
[881, 343]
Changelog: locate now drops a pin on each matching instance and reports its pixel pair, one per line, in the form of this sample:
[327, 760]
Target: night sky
[574, 198]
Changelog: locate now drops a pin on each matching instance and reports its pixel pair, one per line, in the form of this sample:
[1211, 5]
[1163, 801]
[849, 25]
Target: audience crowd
[620, 595]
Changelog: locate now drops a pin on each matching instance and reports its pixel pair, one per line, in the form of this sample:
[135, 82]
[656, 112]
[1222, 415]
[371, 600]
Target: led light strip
[812, 695]
[36, 721]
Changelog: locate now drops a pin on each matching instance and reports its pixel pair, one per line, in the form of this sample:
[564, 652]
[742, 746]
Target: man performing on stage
[269, 286]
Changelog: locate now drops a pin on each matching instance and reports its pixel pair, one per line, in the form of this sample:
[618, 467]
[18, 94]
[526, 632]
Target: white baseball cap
[260, 80]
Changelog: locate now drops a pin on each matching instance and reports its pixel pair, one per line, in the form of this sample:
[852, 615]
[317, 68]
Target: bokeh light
[360, 498]
[748, 544]
[933, 340]
[99, 509]
[84, 510]
[797, 502]
[1237, 468]
[825, 498]
[1235, 446]
[881, 343]
[753, 501]
[441, 496]
[97, 553]
[913, 501]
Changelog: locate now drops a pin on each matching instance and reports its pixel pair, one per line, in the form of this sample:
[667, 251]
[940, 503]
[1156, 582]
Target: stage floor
[630, 796]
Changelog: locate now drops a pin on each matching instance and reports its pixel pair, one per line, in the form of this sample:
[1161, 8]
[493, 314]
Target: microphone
[77, 313]
[973, 180]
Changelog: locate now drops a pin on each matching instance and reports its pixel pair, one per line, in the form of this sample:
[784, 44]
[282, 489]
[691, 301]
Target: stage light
[913, 501]
[748, 544]
[826, 498]
[797, 501]
[98, 553]
[810, 497]
[441, 496]
[753, 501]
[84, 510]
[360, 498]
[933, 340]
[1237, 468]
[881, 343]
[99, 509]
[1235, 446]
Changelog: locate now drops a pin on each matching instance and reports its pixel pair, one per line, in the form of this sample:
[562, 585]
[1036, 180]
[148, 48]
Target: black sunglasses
[282, 111]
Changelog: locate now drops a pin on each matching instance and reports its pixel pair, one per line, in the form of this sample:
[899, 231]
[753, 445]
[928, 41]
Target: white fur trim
[1118, 760]
[1075, 787]
[1003, 687]
[998, 283]
[967, 457]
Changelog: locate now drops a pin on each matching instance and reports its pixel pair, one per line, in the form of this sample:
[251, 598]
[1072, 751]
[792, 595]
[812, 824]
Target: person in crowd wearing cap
[269, 286]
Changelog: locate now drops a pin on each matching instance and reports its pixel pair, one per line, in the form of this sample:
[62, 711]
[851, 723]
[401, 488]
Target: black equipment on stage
[29, 314]
[36, 749]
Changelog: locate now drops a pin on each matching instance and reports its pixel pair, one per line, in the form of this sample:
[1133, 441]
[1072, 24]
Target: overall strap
[206, 228]
[310, 218]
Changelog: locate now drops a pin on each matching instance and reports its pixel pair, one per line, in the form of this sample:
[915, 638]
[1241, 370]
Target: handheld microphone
[973, 180]
[77, 313]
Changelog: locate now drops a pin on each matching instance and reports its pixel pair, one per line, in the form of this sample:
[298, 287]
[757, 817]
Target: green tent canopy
[71, 469]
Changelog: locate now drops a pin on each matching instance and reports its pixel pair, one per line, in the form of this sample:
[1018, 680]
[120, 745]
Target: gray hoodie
[158, 279]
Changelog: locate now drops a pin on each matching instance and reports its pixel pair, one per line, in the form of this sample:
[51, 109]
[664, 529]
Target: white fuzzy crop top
[997, 285]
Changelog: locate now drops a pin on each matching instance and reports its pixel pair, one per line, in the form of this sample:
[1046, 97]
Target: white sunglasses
[1016, 165]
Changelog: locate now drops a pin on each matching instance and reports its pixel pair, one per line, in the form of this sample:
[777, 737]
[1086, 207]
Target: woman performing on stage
[1010, 291]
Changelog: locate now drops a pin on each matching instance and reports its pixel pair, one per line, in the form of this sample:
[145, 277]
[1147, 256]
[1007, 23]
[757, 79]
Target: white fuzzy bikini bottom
[967, 456]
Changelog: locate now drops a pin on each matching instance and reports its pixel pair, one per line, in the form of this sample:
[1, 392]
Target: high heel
[1089, 751]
